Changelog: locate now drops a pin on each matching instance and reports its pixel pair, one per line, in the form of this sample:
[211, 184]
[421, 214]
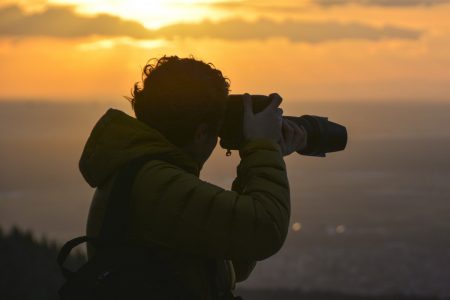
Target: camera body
[323, 136]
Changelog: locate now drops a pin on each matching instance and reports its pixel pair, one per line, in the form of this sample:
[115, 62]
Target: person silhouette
[208, 236]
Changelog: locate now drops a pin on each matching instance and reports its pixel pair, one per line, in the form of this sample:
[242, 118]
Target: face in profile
[206, 145]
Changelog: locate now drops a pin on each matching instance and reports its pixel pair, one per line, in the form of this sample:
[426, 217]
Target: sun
[151, 13]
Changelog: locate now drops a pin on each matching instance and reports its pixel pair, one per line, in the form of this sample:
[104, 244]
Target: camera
[323, 136]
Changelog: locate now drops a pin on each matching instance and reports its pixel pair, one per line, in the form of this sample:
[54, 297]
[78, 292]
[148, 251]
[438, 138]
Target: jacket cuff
[252, 145]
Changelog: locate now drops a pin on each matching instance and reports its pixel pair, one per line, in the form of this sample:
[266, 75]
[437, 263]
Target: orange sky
[353, 50]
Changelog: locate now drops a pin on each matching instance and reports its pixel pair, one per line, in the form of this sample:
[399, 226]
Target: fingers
[276, 101]
[273, 105]
[287, 130]
[290, 137]
[279, 111]
[284, 139]
[248, 106]
[297, 135]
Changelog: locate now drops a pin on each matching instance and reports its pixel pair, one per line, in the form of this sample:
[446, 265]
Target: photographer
[205, 238]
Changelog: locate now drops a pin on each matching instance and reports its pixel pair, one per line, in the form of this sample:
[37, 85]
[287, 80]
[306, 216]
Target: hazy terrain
[375, 219]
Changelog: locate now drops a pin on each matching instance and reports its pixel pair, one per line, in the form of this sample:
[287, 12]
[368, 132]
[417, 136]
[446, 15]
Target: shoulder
[160, 169]
[158, 176]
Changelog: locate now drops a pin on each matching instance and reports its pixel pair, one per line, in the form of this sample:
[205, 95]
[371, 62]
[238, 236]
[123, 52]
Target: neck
[190, 151]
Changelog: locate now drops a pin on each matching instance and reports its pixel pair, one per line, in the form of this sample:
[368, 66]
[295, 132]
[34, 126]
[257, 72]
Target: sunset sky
[358, 50]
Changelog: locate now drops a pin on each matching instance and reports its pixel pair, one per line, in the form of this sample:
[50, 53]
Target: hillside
[28, 271]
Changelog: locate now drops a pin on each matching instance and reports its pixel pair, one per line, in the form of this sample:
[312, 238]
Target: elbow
[260, 232]
[271, 231]
[271, 241]
[262, 242]
[269, 236]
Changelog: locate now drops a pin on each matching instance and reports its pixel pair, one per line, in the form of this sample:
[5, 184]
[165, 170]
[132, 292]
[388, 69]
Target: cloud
[258, 6]
[385, 3]
[295, 31]
[303, 6]
[63, 22]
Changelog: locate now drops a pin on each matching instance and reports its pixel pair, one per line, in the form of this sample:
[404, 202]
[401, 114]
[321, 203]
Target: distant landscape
[28, 271]
[372, 220]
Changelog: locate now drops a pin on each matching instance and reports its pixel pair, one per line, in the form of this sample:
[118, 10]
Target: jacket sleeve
[176, 209]
[242, 268]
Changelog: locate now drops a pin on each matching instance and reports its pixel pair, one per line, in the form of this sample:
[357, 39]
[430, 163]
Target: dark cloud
[386, 3]
[63, 22]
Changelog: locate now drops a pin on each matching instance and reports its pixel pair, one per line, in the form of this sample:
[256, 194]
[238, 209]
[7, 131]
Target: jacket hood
[118, 138]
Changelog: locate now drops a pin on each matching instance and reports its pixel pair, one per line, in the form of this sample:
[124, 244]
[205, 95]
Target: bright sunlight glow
[151, 13]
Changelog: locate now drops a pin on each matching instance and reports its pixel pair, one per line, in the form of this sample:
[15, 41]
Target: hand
[265, 124]
[293, 137]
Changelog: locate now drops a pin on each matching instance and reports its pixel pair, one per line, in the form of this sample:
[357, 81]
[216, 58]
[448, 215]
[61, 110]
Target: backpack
[119, 269]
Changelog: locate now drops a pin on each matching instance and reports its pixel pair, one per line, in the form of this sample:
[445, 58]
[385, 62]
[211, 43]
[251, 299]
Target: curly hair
[178, 94]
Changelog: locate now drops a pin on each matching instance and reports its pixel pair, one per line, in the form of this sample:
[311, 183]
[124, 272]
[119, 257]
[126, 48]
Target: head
[185, 100]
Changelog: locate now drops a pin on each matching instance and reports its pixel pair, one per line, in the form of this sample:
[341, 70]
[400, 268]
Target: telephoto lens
[323, 136]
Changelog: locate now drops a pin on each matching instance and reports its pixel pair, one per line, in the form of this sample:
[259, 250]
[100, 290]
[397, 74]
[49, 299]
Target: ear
[202, 132]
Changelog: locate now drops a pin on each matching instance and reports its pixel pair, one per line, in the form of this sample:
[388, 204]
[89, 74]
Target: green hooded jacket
[172, 207]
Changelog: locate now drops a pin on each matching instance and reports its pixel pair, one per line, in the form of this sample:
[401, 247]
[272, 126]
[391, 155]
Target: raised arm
[177, 209]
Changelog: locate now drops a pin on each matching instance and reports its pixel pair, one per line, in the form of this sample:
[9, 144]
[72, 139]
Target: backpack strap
[114, 230]
[65, 251]
[115, 225]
